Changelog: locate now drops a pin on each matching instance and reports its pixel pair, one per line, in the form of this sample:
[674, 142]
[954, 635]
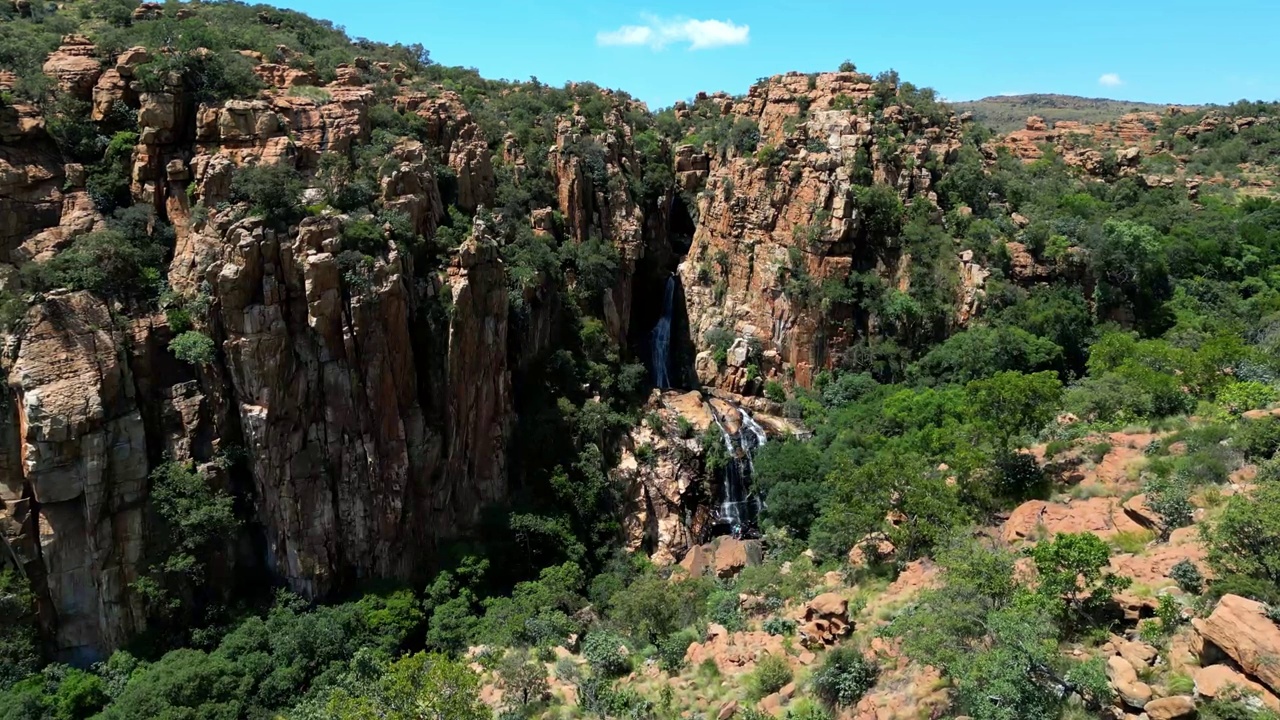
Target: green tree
[653, 607]
[415, 687]
[984, 351]
[789, 476]
[272, 191]
[995, 640]
[18, 654]
[523, 678]
[1011, 404]
[184, 683]
[1129, 261]
[844, 677]
[193, 347]
[1245, 540]
[1072, 574]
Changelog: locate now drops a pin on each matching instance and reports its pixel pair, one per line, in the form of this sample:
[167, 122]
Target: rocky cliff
[796, 217]
[364, 411]
[375, 412]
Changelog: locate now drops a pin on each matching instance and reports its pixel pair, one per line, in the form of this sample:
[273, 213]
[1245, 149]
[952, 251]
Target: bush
[780, 626]
[672, 650]
[1170, 498]
[1098, 451]
[724, 609]
[771, 674]
[193, 347]
[1188, 577]
[1239, 397]
[774, 391]
[845, 676]
[1259, 439]
[606, 654]
[124, 260]
[19, 656]
[272, 191]
[684, 428]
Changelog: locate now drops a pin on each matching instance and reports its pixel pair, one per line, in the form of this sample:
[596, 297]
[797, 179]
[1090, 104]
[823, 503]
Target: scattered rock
[1171, 708]
[1124, 678]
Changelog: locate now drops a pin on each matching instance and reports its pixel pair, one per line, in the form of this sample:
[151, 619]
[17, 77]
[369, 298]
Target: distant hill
[1003, 113]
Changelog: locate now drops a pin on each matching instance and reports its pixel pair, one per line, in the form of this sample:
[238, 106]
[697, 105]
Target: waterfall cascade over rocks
[660, 359]
[739, 508]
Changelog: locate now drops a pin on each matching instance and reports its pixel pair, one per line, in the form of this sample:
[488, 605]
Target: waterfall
[739, 508]
[662, 339]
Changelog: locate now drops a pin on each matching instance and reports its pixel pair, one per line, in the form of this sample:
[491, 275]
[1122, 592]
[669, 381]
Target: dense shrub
[672, 650]
[606, 653]
[771, 674]
[1187, 576]
[123, 260]
[193, 347]
[272, 191]
[844, 677]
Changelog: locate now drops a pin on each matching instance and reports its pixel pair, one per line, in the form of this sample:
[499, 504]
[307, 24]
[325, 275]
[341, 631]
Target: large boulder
[731, 556]
[824, 620]
[1124, 678]
[74, 66]
[1171, 708]
[1241, 629]
[1224, 681]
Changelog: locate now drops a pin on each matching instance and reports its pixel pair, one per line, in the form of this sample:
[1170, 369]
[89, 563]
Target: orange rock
[74, 66]
[1242, 630]
[1171, 708]
[1220, 680]
[1124, 678]
[1101, 516]
[731, 557]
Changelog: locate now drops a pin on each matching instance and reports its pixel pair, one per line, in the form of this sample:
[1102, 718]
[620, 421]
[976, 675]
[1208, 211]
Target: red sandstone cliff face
[755, 218]
[375, 417]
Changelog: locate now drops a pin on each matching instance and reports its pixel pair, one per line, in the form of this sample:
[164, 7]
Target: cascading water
[662, 339]
[739, 508]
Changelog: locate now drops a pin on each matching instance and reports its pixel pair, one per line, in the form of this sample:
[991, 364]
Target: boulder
[1124, 679]
[1138, 511]
[1171, 708]
[1221, 680]
[696, 561]
[824, 620]
[1242, 630]
[1139, 654]
[74, 66]
[732, 555]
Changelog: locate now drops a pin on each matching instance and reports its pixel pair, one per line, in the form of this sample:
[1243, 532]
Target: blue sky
[1174, 51]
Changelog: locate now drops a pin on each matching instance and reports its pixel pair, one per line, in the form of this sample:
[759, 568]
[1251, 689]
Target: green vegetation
[1145, 306]
[995, 638]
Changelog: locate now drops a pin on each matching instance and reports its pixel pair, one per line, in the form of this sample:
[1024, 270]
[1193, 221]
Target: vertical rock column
[74, 498]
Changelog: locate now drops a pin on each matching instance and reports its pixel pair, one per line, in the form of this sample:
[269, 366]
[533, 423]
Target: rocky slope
[376, 419]
[363, 417]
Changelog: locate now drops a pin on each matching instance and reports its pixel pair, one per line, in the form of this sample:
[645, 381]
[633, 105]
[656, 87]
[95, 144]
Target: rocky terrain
[1006, 113]
[292, 312]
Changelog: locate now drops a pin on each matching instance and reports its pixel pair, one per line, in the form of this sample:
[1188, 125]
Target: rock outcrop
[788, 219]
[824, 620]
[74, 481]
[1240, 628]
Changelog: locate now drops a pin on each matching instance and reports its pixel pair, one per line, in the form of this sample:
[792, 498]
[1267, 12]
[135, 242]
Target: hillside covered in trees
[342, 385]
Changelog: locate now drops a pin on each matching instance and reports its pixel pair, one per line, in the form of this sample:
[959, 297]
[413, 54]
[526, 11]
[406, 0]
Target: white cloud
[1110, 80]
[658, 33]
